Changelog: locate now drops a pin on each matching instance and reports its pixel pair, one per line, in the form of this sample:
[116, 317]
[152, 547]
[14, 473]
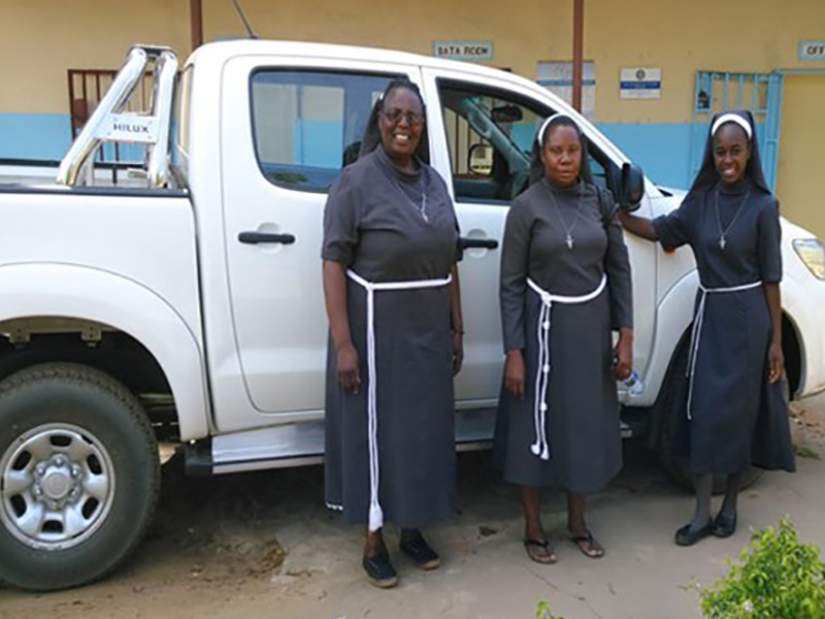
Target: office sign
[812, 50]
[473, 51]
[640, 83]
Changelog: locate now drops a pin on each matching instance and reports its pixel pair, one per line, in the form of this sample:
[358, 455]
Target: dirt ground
[262, 545]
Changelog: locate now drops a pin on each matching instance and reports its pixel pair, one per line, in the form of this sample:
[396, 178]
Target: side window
[489, 137]
[307, 125]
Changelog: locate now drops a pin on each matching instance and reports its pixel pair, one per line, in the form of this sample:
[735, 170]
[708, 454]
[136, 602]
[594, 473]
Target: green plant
[543, 611]
[778, 577]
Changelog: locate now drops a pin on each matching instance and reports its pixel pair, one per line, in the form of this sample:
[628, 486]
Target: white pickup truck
[190, 307]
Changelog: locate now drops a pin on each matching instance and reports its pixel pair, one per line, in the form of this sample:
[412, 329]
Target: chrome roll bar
[109, 122]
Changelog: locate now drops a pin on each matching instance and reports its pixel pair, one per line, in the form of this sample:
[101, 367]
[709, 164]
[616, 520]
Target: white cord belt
[541, 446]
[696, 332]
[376, 516]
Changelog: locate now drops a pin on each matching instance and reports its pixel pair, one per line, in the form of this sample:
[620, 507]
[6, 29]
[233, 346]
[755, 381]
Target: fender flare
[86, 293]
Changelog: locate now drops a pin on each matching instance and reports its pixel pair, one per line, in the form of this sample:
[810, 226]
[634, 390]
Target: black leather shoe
[688, 537]
[380, 571]
[417, 549]
[724, 525]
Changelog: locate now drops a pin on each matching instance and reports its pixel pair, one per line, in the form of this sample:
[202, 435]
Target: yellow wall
[801, 159]
[677, 35]
[685, 36]
[41, 39]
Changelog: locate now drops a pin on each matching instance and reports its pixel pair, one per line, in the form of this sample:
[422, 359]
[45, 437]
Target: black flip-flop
[540, 543]
[579, 539]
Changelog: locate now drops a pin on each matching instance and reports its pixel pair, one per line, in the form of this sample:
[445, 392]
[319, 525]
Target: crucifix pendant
[722, 242]
[569, 241]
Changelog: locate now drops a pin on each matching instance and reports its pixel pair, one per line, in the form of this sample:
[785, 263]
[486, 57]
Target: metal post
[578, 39]
[196, 22]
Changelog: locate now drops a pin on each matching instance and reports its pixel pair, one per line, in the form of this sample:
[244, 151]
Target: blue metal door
[761, 93]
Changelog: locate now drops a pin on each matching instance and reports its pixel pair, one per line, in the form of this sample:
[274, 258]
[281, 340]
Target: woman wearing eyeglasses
[392, 297]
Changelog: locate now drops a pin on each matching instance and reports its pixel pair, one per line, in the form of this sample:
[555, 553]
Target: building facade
[654, 71]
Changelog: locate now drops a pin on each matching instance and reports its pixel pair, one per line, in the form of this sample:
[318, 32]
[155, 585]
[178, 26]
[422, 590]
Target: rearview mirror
[507, 114]
[632, 188]
[480, 159]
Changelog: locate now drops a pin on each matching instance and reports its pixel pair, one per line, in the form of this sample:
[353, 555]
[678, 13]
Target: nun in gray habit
[734, 412]
[390, 248]
[565, 285]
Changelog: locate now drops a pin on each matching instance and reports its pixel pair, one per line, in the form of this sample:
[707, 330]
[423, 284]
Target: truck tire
[79, 475]
[669, 407]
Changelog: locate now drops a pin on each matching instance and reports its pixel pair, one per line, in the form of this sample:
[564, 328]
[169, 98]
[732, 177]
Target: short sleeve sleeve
[676, 229]
[341, 220]
[770, 244]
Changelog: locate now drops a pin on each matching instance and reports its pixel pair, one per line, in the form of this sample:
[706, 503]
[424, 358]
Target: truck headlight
[812, 254]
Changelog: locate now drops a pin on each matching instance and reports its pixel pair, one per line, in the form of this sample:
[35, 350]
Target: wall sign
[557, 77]
[463, 50]
[812, 50]
[640, 83]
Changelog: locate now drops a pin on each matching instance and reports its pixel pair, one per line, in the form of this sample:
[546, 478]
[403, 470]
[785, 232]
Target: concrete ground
[262, 545]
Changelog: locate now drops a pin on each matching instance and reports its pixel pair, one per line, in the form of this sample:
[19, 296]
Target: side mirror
[632, 188]
[480, 159]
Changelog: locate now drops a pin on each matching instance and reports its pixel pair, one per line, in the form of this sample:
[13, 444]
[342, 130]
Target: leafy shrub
[778, 578]
[543, 611]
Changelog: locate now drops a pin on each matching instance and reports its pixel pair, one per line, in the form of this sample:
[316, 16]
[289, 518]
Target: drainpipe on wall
[578, 39]
[196, 23]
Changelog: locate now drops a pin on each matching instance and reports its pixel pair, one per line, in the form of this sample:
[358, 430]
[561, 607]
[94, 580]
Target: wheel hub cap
[57, 484]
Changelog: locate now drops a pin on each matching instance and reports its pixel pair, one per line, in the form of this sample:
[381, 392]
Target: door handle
[253, 238]
[467, 243]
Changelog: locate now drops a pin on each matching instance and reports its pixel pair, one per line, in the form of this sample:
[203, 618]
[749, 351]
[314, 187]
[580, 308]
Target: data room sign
[812, 50]
[474, 51]
[640, 83]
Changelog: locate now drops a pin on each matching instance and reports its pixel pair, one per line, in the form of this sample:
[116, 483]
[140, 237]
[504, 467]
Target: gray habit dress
[730, 376]
[373, 226]
[582, 424]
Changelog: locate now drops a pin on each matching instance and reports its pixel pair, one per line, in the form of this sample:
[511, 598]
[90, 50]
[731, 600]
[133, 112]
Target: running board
[302, 444]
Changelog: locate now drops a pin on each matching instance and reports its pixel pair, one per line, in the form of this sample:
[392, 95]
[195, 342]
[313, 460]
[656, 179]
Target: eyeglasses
[395, 115]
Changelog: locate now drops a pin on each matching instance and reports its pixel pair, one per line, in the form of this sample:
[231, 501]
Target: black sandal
[549, 557]
[596, 551]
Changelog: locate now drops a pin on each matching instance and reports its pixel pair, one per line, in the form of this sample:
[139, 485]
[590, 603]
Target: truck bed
[145, 236]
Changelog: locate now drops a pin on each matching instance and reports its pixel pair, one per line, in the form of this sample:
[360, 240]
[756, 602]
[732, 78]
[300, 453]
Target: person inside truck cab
[389, 253]
[565, 285]
[734, 413]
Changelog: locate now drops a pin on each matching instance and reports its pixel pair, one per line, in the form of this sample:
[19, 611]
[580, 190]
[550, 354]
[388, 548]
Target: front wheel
[79, 475]
[669, 406]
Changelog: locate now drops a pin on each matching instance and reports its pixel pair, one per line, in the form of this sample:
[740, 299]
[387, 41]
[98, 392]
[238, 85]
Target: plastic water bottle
[634, 384]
